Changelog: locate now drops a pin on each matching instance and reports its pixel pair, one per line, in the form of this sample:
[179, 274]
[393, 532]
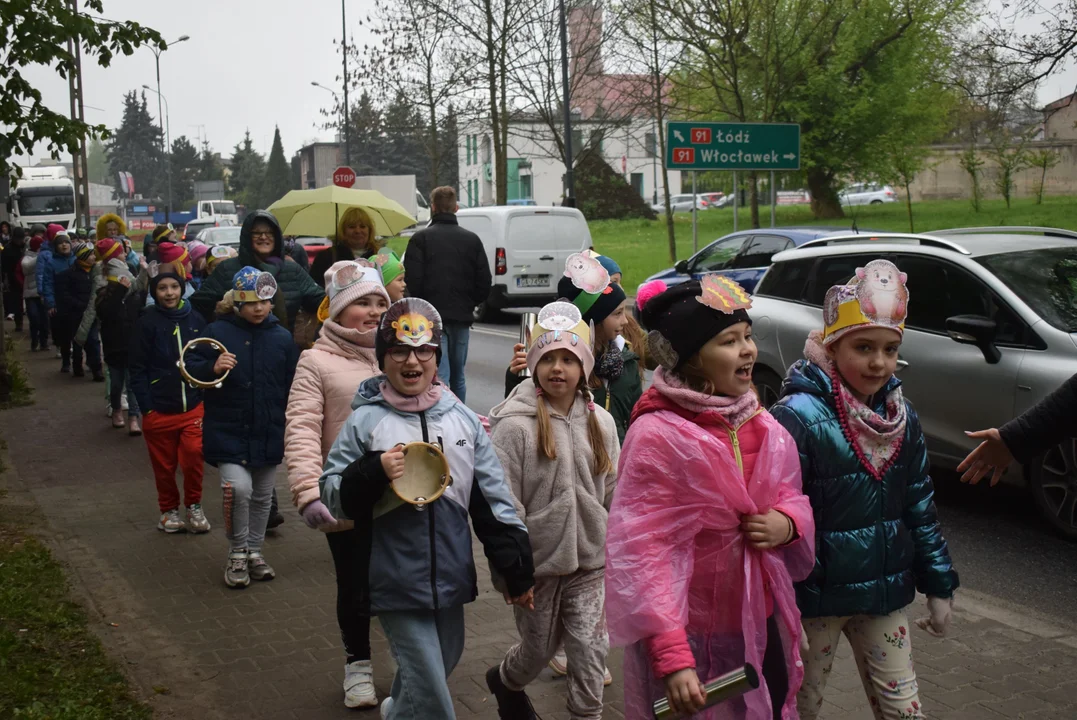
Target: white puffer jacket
[320, 400]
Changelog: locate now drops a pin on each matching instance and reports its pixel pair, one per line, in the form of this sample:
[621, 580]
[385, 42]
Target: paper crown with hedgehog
[561, 326]
[876, 296]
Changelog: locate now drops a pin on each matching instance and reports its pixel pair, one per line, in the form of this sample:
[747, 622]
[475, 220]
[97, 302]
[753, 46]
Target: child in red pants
[172, 409]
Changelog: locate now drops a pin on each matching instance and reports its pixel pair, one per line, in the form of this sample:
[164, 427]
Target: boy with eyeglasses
[420, 563]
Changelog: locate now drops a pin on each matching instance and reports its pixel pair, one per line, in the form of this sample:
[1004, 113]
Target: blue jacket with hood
[297, 289]
[49, 265]
[244, 418]
[422, 560]
[152, 360]
[877, 541]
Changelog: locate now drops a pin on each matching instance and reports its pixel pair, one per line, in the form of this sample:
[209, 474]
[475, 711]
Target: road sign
[732, 146]
[344, 176]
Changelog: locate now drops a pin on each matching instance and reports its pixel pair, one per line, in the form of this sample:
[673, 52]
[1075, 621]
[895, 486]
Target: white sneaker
[196, 519]
[359, 685]
[123, 402]
[385, 705]
[170, 522]
[559, 663]
[108, 409]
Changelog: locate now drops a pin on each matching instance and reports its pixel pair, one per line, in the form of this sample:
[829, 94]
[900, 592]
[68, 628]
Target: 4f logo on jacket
[462, 442]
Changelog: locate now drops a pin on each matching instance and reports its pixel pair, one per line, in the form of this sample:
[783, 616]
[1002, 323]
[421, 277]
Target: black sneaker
[511, 704]
[98, 377]
[65, 368]
[275, 520]
[78, 372]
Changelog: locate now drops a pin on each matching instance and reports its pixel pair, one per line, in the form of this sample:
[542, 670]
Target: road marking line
[497, 333]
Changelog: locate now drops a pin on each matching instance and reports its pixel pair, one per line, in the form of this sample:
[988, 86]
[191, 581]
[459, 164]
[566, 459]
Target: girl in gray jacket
[560, 453]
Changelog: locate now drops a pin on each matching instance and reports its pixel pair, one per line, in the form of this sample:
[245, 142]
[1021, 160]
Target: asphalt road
[999, 545]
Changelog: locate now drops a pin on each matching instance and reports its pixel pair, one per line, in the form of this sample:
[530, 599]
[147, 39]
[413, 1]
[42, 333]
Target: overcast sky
[249, 64]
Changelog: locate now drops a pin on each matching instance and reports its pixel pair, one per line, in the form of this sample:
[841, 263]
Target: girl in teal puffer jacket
[865, 470]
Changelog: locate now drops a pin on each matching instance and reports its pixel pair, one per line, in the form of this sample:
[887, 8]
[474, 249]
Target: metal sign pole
[695, 215]
[773, 199]
[735, 193]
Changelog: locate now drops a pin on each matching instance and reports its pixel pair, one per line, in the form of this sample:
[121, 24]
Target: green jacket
[618, 398]
[295, 288]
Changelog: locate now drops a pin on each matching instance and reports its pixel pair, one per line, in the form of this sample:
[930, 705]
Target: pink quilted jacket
[320, 401]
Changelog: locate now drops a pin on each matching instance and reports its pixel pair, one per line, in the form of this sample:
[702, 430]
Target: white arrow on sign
[789, 156]
[677, 134]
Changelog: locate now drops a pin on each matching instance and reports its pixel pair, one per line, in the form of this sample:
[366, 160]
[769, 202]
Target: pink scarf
[876, 439]
[735, 410]
[411, 403]
[351, 341]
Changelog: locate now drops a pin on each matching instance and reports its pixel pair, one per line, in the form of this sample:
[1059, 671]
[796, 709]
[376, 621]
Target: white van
[527, 247]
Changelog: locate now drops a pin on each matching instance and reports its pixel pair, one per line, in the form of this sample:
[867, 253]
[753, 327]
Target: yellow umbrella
[315, 212]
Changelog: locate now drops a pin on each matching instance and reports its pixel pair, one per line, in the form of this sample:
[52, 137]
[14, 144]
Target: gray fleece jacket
[562, 502]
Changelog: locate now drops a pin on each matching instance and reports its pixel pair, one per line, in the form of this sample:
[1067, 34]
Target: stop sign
[344, 176]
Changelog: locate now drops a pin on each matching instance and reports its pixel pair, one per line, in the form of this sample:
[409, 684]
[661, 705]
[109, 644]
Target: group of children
[686, 523]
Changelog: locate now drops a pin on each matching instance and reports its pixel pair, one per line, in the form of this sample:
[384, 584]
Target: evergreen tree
[209, 164]
[136, 148]
[449, 153]
[368, 155]
[185, 169]
[248, 174]
[404, 141]
[278, 175]
[297, 173]
[97, 163]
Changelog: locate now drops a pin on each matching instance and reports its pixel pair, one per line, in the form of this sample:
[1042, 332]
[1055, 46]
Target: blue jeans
[454, 337]
[119, 382]
[39, 322]
[92, 349]
[426, 645]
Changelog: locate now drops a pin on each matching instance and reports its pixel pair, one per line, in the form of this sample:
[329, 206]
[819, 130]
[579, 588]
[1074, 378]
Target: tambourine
[193, 381]
[426, 475]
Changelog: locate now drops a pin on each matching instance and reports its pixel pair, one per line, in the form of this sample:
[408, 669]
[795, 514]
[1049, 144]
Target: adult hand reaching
[991, 456]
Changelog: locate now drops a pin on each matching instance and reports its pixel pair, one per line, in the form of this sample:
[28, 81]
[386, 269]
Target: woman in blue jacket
[49, 266]
[865, 470]
[243, 429]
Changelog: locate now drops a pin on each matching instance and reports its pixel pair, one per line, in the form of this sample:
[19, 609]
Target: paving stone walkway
[199, 649]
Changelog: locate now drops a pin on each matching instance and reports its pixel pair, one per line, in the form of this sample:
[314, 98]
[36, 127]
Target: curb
[1014, 616]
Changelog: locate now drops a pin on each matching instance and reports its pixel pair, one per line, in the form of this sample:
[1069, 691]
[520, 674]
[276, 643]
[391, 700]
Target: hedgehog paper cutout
[587, 273]
[723, 294]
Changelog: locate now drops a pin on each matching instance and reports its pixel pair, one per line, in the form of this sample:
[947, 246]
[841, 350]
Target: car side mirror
[681, 267]
[975, 330]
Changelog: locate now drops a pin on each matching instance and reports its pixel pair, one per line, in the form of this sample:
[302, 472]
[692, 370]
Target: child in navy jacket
[243, 428]
[172, 409]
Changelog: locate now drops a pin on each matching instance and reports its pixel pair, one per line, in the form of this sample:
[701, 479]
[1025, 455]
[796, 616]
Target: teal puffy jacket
[876, 542]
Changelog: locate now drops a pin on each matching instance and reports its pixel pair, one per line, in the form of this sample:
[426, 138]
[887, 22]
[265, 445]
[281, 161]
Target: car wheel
[1052, 479]
[876, 202]
[485, 313]
[768, 385]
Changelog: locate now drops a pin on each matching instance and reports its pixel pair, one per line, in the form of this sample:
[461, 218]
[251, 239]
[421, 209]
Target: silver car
[682, 203]
[991, 330]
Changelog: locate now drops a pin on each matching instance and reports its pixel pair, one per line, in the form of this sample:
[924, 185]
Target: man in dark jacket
[1034, 432]
[262, 246]
[447, 266]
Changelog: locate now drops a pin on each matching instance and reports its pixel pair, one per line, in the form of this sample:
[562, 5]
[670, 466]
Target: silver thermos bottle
[527, 321]
[726, 687]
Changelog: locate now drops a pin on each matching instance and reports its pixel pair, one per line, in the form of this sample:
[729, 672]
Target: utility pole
[79, 164]
[161, 120]
[344, 52]
[570, 184]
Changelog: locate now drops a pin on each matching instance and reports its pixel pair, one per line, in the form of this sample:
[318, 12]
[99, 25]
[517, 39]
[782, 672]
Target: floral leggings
[882, 646]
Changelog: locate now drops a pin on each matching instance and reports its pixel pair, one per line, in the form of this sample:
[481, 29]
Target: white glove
[939, 622]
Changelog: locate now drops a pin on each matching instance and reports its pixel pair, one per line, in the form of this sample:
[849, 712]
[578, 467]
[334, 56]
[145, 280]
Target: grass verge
[52, 667]
[22, 392]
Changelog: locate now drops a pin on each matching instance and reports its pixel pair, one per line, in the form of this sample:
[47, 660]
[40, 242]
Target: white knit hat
[348, 280]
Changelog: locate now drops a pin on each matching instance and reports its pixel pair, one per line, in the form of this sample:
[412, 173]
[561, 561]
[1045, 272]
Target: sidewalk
[199, 649]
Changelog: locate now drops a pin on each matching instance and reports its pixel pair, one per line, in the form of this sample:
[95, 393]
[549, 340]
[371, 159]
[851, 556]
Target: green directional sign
[732, 146]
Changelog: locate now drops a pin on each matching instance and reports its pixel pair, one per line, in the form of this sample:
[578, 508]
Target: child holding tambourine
[560, 452]
[709, 528]
[421, 570]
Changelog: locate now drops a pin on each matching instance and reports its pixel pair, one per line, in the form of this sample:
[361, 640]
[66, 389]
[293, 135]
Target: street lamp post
[570, 185]
[167, 150]
[168, 143]
[344, 53]
[343, 114]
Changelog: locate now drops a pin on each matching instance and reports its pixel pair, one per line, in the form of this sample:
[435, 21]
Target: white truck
[42, 195]
[210, 202]
[400, 188]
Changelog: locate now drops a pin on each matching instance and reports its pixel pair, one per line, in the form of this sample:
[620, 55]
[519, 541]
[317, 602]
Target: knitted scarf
[411, 403]
[876, 439]
[352, 341]
[735, 410]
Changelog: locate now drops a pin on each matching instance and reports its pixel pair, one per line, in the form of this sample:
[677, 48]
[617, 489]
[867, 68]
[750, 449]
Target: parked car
[681, 203]
[527, 248]
[867, 194]
[191, 229]
[228, 235]
[521, 202]
[744, 256]
[991, 330]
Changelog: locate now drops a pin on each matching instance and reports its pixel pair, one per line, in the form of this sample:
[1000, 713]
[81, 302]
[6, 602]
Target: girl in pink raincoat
[709, 528]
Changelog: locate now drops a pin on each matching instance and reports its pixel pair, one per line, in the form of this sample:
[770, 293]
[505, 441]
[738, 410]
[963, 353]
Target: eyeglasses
[259, 234]
[401, 353]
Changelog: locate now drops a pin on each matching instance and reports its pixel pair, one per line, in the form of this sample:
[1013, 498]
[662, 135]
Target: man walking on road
[447, 266]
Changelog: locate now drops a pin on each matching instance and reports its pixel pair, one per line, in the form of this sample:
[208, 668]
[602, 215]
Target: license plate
[525, 281]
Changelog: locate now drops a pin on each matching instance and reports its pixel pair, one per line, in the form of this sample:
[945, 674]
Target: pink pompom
[648, 290]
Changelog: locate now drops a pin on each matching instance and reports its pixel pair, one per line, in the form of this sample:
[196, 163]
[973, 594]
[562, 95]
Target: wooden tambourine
[426, 475]
[193, 381]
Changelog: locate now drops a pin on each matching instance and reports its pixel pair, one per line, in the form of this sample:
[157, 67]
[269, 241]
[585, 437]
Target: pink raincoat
[681, 582]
